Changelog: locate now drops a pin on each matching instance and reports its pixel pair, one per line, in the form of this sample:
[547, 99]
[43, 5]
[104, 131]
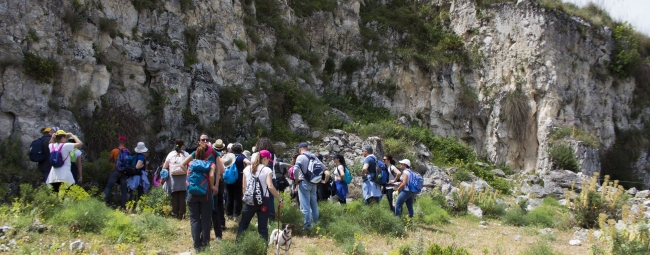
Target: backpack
[381, 172]
[175, 164]
[122, 161]
[73, 155]
[56, 157]
[415, 182]
[293, 178]
[197, 177]
[314, 170]
[231, 174]
[37, 152]
[348, 177]
[253, 194]
[130, 170]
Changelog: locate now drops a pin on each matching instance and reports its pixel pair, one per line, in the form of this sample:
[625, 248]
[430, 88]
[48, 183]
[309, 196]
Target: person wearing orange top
[117, 175]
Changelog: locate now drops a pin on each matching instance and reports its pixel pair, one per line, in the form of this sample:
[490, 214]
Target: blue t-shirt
[370, 160]
[140, 157]
[210, 159]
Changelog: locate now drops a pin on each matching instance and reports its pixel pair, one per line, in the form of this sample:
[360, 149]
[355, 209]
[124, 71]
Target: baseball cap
[266, 154]
[303, 145]
[122, 138]
[405, 162]
[60, 132]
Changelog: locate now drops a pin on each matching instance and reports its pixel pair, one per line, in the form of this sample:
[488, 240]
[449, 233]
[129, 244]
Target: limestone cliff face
[558, 62]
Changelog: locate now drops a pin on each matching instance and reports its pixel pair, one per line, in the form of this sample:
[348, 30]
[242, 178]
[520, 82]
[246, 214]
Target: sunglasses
[385, 159]
[205, 140]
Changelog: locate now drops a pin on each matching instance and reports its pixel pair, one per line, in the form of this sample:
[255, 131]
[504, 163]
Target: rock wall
[558, 62]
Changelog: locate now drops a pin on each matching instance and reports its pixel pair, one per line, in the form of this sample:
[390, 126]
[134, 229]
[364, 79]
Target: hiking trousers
[308, 203]
[389, 196]
[112, 179]
[404, 197]
[200, 220]
[178, 204]
[233, 202]
[263, 214]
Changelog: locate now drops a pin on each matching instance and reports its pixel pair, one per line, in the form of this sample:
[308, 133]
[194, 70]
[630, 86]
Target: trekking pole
[279, 206]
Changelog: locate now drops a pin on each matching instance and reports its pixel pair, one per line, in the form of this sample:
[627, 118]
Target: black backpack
[38, 150]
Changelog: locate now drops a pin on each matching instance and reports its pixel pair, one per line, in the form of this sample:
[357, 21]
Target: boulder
[534, 191]
[478, 185]
[556, 181]
[298, 125]
[377, 146]
[341, 115]
[475, 210]
[632, 191]
[499, 172]
[77, 245]
[403, 121]
[642, 194]
[423, 151]
[575, 243]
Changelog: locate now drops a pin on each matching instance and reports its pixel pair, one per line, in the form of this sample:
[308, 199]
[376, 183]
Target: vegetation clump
[108, 25]
[191, 39]
[515, 112]
[39, 68]
[563, 157]
[308, 8]
[76, 16]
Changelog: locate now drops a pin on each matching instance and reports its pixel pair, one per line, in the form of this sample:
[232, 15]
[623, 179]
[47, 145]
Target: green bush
[240, 44]
[119, 228]
[152, 5]
[88, 215]
[39, 68]
[350, 65]
[515, 217]
[572, 132]
[330, 66]
[626, 57]
[155, 202]
[436, 249]
[549, 214]
[491, 209]
[540, 248]
[76, 16]
[191, 39]
[12, 154]
[249, 243]
[462, 175]
[343, 231]
[307, 8]
[148, 225]
[186, 5]
[109, 26]
[429, 212]
[562, 155]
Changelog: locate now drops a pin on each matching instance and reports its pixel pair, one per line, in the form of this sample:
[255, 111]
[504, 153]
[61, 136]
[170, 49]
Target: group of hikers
[216, 181]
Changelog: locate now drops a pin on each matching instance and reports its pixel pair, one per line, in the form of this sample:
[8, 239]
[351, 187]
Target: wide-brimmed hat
[218, 145]
[141, 148]
[228, 159]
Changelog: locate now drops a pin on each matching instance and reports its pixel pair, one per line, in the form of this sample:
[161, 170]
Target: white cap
[405, 162]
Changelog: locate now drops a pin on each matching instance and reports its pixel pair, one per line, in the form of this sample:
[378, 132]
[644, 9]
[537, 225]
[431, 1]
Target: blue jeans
[114, 178]
[262, 218]
[308, 203]
[404, 196]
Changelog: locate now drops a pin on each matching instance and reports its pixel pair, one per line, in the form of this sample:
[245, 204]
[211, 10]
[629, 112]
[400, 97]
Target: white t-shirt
[338, 170]
[175, 159]
[391, 176]
[63, 173]
[406, 173]
[254, 156]
[262, 172]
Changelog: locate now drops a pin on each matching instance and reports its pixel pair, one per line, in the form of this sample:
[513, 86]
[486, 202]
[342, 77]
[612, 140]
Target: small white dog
[281, 238]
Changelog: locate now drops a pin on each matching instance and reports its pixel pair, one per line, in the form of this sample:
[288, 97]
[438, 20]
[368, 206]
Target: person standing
[340, 186]
[393, 179]
[371, 190]
[234, 202]
[44, 165]
[201, 205]
[141, 155]
[306, 189]
[177, 178]
[218, 214]
[117, 176]
[258, 174]
[405, 195]
[76, 164]
[265, 143]
[61, 174]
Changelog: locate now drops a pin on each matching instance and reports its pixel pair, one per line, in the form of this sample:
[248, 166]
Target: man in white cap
[405, 195]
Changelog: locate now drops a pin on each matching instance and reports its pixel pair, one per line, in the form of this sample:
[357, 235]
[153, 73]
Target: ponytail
[179, 146]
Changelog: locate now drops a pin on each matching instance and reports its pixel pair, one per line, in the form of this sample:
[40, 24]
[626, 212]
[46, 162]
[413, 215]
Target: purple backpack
[56, 157]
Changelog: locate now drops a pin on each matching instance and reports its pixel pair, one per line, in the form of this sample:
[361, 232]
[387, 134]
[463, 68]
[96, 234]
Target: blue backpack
[197, 177]
[415, 182]
[37, 150]
[56, 157]
[231, 174]
[314, 170]
[381, 172]
[348, 177]
[123, 160]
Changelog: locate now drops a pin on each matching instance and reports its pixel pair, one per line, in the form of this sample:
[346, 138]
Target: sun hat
[303, 145]
[141, 148]
[405, 162]
[266, 154]
[60, 132]
[228, 159]
[122, 138]
[218, 145]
